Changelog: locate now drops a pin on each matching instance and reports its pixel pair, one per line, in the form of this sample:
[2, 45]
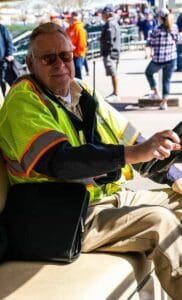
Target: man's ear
[29, 63]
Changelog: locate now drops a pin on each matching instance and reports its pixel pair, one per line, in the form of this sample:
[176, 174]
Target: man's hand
[10, 58]
[158, 146]
[177, 186]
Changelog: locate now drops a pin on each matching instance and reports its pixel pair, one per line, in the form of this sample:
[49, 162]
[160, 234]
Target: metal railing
[129, 36]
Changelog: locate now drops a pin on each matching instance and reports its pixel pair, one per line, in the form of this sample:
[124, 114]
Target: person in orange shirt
[78, 36]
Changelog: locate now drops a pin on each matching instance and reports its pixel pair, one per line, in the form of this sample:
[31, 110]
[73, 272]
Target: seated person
[52, 129]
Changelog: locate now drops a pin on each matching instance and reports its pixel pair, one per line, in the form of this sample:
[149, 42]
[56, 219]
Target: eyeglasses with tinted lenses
[49, 59]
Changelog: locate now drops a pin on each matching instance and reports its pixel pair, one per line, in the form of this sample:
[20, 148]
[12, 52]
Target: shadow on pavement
[134, 73]
[176, 81]
[175, 93]
[125, 106]
[131, 58]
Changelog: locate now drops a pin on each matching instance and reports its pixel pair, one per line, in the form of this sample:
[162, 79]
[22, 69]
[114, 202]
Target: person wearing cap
[64, 133]
[140, 19]
[78, 37]
[59, 20]
[163, 41]
[147, 25]
[110, 49]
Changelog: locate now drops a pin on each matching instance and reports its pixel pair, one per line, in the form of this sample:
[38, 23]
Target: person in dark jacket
[110, 49]
[147, 25]
[64, 133]
[6, 54]
[179, 43]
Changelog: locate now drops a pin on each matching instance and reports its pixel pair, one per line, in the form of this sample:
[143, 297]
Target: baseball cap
[74, 14]
[107, 9]
[164, 12]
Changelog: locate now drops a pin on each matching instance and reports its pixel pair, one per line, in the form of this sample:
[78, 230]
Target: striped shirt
[163, 44]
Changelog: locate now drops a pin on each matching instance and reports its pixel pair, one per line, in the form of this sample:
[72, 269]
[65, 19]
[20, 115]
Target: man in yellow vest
[52, 128]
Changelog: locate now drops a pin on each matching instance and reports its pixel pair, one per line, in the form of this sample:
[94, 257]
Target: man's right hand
[177, 186]
[10, 58]
[158, 146]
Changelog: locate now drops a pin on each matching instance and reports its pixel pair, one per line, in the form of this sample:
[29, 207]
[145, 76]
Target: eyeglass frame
[56, 55]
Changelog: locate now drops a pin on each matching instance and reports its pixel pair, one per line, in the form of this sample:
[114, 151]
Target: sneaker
[163, 106]
[152, 96]
[155, 97]
[112, 98]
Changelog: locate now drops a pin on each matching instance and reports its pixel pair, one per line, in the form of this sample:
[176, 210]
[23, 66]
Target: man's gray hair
[49, 27]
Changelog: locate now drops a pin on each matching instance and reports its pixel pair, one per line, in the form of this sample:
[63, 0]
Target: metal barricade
[128, 34]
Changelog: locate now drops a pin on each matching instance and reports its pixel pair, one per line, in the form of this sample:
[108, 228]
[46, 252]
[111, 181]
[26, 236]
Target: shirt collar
[75, 91]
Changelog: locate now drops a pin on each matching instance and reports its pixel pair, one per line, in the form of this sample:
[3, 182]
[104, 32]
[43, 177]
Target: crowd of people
[163, 45]
[151, 27]
[161, 35]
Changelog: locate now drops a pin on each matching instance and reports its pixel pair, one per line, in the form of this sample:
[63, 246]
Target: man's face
[56, 74]
[104, 17]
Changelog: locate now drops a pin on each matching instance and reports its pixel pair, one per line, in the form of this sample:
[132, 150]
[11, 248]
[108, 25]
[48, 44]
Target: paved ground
[133, 85]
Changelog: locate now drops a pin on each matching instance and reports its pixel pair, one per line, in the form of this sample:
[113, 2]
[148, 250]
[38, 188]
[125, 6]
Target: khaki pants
[143, 221]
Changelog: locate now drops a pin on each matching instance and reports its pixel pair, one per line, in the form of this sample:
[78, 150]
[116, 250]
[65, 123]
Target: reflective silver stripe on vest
[50, 106]
[129, 134]
[46, 140]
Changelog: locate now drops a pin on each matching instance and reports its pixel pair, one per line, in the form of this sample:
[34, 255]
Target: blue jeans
[78, 62]
[179, 57]
[2, 77]
[167, 68]
[85, 63]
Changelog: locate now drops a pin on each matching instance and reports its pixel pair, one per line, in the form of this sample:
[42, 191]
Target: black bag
[44, 221]
[3, 242]
[13, 70]
[156, 169]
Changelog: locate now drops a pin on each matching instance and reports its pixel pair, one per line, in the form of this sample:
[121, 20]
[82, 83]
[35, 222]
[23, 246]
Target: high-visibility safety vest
[44, 124]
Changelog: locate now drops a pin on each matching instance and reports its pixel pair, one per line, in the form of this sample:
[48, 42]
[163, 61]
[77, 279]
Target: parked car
[21, 45]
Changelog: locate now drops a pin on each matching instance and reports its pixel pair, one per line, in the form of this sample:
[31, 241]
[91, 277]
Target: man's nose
[59, 60]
